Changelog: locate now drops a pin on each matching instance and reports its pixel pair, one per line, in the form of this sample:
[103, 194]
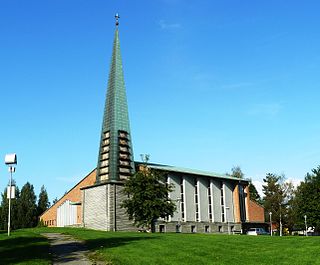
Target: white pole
[9, 214]
[270, 214]
[305, 222]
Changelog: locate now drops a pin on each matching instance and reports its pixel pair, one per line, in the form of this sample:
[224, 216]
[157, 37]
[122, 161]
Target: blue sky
[210, 85]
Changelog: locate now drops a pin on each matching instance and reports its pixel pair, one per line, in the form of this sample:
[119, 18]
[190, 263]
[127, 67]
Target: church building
[206, 202]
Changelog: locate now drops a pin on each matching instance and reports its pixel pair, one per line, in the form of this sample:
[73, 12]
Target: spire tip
[117, 19]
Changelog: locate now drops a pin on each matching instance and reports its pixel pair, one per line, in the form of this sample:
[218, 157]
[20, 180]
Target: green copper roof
[115, 121]
[182, 170]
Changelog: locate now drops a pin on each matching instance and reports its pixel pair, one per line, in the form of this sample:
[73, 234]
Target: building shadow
[15, 250]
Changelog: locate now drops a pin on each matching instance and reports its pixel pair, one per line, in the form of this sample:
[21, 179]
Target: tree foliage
[273, 197]
[147, 198]
[254, 195]
[27, 208]
[43, 201]
[307, 200]
[237, 172]
[4, 209]
[279, 200]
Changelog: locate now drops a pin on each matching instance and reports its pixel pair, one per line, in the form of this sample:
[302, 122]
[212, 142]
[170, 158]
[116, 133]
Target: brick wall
[256, 212]
[49, 217]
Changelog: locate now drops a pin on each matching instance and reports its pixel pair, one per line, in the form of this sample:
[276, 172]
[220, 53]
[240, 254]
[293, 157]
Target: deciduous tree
[148, 198]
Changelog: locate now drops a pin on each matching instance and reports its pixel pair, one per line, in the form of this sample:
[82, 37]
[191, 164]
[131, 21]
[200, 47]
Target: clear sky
[210, 85]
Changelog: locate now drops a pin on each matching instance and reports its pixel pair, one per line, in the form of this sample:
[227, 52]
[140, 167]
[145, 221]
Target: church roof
[189, 171]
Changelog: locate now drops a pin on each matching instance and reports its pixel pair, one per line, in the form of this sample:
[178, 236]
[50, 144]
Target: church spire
[115, 161]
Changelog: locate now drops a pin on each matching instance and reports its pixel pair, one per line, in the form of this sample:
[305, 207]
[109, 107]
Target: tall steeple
[115, 161]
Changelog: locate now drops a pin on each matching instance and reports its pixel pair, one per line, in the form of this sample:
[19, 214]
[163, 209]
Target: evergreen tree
[273, 198]
[43, 201]
[147, 198]
[15, 222]
[307, 201]
[254, 195]
[55, 200]
[27, 208]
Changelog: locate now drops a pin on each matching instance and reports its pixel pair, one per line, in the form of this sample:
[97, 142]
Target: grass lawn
[23, 247]
[142, 248]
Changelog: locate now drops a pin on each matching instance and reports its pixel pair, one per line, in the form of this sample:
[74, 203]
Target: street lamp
[227, 216]
[305, 223]
[10, 160]
[270, 214]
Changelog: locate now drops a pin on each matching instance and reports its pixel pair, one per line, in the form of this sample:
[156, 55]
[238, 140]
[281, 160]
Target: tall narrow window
[196, 198]
[223, 219]
[209, 200]
[182, 199]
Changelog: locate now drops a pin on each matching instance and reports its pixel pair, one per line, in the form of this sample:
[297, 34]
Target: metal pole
[9, 214]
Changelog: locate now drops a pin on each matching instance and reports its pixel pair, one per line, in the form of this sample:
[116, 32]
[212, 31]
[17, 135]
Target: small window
[178, 228]
[207, 229]
[193, 229]
[220, 229]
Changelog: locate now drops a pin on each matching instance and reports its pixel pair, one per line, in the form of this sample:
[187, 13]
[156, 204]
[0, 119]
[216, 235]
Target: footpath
[67, 250]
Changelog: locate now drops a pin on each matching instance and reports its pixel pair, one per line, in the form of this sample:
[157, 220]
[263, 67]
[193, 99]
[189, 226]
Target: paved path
[67, 250]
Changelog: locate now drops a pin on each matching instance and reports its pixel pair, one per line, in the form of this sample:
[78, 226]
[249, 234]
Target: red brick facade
[256, 212]
[49, 217]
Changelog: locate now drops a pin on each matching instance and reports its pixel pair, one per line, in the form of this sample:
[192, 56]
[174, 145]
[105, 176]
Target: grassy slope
[23, 247]
[141, 248]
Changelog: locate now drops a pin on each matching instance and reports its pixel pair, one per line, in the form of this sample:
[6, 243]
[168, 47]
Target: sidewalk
[68, 250]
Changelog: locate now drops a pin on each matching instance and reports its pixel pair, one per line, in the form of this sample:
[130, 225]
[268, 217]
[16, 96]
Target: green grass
[141, 248]
[29, 247]
[23, 247]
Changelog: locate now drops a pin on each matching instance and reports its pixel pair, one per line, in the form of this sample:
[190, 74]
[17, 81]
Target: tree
[55, 200]
[147, 198]
[254, 195]
[27, 208]
[43, 201]
[237, 172]
[307, 200]
[273, 197]
[15, 222]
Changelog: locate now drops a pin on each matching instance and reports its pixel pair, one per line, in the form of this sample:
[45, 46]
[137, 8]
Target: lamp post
[280, 232]
[305, 223]
[270, 215]
[180, 215]
[10, 160]
[227, 217]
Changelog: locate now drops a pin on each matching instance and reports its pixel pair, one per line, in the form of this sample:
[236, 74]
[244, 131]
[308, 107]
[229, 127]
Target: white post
[305, 223]
[9, 213]
[10, 159]
[270, 214]
[227, 216]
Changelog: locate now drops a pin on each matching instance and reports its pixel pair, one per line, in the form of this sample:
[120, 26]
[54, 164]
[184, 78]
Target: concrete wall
[175, 195]
[228, 189]
[190, 210]
[102, 208]
[216, 195]
[203, 199]
[95, 214]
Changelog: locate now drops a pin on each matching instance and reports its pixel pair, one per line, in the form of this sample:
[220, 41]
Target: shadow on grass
[114, 242]
[23, 249]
